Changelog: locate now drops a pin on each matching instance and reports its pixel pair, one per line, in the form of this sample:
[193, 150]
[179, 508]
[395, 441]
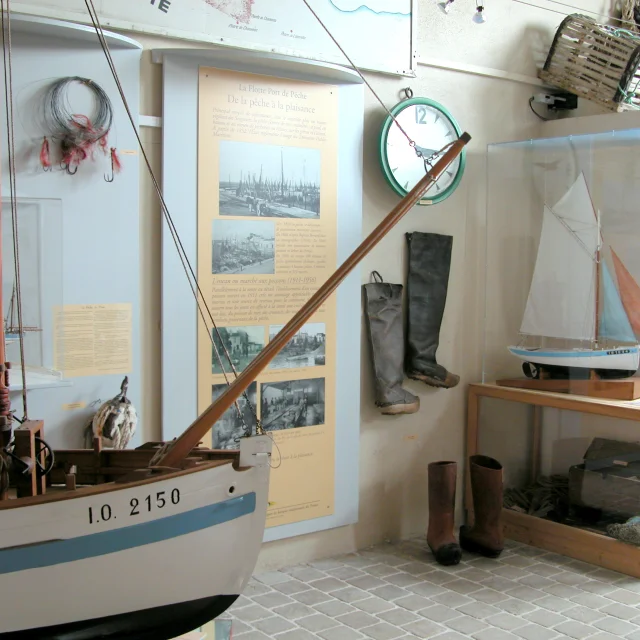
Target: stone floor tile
[553, 603]
[272, 599]
[345, 573]
[382, 631]
[624, 596]
[437, 577]
[546, 618]
[466, 625]
[571, 578]
[398, 616]
[544, 570]
[252, 613]
[380, 570]
[506, 621]
[334, 608]
[616, 626]
[463, 586]
[451, 599]
[597, 587]
[357, 619]
[439, 613]
[273, 625]
[603, 635]
[493, 634]
[254, 635]
[535, 581]
[340, 633]
[403, 579]
[535, 632]
[475, 575]
[318, 622]
[239, 627]
[563, 590]
[499, 583]
[412, 602]
[272, 577]
[416, 568]
[525, 593]
[591, 600]
[310, 597]
[577, 630]
[373, 604]
[366, 582]
[426, 589]
[350, 594]
[389, 592]
[293, 586]
[479, 610]
[621, 611]
[583, 614]
[294, 611]
[516, 607]
[256, 589]
[327, 584]
[490, 596]
[517, 560]
[510, 573]
[424, 628]
[297, 634]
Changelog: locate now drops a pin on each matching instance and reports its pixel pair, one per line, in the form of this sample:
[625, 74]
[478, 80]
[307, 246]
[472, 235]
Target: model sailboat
[149, 543]
[573, 298]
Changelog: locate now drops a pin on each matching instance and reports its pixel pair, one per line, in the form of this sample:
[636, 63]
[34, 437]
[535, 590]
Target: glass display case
[38, 233]
[561, 335]
[563, 266]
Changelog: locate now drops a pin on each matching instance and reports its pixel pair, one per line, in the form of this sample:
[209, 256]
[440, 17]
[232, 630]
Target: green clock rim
[386, 168]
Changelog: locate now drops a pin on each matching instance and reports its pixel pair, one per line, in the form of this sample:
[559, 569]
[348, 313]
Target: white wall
[395, 451]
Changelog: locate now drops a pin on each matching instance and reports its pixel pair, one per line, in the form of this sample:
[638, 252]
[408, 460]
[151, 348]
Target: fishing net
[78, 135]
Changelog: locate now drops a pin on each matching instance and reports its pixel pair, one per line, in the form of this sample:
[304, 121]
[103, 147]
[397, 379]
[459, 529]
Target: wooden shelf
[573, 542]
[623, 409]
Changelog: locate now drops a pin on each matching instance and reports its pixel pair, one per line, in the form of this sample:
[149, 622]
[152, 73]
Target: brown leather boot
[485, 537]
[442, 504]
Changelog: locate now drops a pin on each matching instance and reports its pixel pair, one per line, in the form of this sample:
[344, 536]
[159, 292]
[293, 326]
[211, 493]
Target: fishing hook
[106, 178]
[68, 170]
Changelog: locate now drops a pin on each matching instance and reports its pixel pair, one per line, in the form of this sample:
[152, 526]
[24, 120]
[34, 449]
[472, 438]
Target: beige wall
[395, 451]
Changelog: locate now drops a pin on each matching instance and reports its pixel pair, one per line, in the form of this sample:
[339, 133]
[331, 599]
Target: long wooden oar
[181, 448]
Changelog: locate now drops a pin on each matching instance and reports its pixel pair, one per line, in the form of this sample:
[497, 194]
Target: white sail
[562, 298]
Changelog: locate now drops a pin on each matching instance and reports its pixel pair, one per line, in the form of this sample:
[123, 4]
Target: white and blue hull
[616, 359]
[86, 567]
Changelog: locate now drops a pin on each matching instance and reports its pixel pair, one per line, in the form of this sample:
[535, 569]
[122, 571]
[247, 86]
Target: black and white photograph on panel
[234, 424]
[243, 247]
[291, 404]
[305, 349]
[235, 345]
[266, 180]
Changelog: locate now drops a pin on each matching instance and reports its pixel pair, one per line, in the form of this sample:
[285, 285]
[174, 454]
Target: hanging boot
[383, 316]
[485, 537]
[427, 281]
[442, 504]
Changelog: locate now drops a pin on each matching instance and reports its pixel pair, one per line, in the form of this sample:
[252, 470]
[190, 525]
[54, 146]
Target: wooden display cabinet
[570, 541]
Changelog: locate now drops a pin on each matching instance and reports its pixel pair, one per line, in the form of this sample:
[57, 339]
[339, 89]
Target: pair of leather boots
[485, 537]
[429, 262]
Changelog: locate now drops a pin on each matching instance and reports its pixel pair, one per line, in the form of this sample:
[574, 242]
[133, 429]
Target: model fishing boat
[149, 543]
[573, 298]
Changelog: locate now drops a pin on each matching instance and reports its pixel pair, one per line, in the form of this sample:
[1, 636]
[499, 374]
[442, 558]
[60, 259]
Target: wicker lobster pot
[594, 61]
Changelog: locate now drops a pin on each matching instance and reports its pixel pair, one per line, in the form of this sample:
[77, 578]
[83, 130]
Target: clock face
[431, 128]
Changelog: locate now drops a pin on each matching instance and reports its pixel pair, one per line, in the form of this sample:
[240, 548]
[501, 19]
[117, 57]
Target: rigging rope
[8, 81]
[186, 265]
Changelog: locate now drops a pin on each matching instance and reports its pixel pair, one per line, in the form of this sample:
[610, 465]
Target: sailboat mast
[5, 400]
[189, 439]
[597, 305]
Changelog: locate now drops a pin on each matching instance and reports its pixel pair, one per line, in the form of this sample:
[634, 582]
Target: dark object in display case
[609, 478]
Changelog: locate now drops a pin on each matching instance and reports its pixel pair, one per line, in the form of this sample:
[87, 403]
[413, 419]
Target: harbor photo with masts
[273, 181]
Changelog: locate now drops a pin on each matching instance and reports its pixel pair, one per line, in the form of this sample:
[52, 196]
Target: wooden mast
[181, 448]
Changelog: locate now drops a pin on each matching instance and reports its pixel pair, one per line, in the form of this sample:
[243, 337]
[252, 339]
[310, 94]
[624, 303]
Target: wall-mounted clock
[431, 127]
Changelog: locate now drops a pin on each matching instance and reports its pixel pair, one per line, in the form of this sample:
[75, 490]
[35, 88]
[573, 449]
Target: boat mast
[5, 400]
[180, 448]
[597, 319]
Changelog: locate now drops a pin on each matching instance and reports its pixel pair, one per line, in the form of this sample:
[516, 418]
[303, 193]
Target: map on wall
[280, 26]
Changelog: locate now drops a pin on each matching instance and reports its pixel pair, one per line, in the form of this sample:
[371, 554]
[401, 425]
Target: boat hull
[623, 359]
[184, 545]
[159, 623]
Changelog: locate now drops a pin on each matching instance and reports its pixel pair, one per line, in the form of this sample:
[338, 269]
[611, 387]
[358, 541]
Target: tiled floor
[398, 592]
